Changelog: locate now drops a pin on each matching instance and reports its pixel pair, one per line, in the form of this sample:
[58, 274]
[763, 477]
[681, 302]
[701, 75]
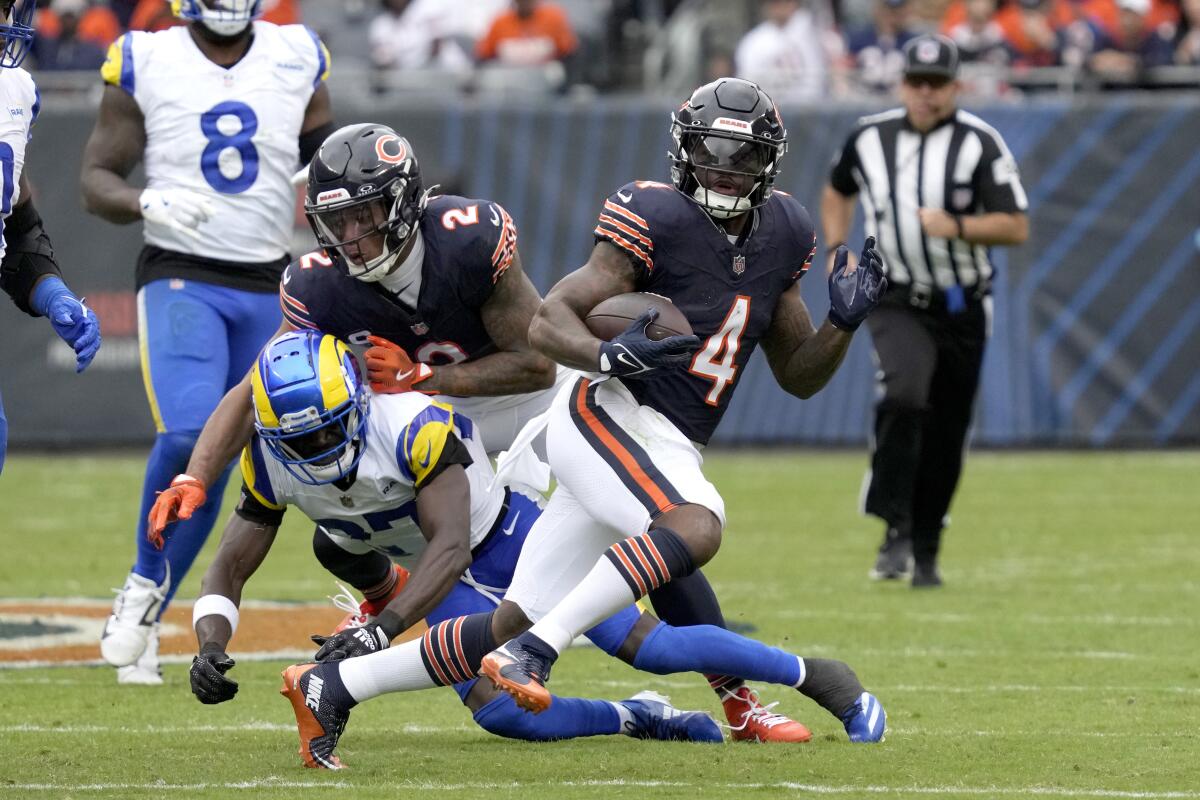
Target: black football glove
[351, 642]
[633, 354]
[207, 674]
[852, 296]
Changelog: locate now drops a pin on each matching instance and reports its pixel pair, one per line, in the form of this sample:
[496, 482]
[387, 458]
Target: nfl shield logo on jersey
[348, 502]
[739, 264]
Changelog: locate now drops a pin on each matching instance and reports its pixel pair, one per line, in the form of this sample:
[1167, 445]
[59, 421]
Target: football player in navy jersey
[433, 283]
[623, 440]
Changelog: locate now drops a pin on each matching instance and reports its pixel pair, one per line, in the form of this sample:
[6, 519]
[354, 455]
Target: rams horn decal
[384, 155]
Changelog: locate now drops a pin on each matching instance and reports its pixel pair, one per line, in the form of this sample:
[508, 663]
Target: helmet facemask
[725, 173]
[319, 448]
[368, 233]
[226, 19]
[16, 32]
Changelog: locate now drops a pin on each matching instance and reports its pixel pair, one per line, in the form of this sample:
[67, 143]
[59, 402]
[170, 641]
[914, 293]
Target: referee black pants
[929, 365]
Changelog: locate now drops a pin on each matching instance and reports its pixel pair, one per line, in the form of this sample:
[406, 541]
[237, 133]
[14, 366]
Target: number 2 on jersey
[716, 360]
[218, 143]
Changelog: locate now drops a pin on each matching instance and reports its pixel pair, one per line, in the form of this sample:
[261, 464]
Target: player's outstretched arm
[228, 429]
[113, 150]
[444, 508]
[558, 330]
[244, 545]
[802, 357]
[517, 368]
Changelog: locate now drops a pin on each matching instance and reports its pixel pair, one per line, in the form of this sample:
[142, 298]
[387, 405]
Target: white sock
[602, 593]
[400, 668]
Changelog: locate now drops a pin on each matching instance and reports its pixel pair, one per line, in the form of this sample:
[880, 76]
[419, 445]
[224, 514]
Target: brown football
[612, 316]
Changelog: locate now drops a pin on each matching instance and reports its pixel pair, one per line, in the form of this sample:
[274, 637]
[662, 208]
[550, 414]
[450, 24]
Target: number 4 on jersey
[716, 360]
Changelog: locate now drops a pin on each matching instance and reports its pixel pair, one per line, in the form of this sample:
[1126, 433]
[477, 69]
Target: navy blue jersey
[727, 292]
[468, 246]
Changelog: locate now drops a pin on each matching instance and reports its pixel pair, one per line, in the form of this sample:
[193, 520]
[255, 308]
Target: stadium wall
[1097, 318]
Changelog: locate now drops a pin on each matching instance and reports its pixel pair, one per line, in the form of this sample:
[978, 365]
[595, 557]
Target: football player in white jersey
[221, 111]
[407, 476]
[28, 271]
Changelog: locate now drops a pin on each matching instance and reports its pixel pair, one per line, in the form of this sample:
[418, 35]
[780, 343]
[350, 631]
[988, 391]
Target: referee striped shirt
[962, 165]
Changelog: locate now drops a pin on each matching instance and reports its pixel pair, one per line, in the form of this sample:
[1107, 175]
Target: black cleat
[926, 575]
[895, 557]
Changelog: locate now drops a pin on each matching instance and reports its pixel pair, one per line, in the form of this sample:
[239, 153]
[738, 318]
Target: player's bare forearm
[802, 358]
[444, 508]
[996, 228]
[113, 150]
[497, 374]
[225, 433]
[244, 545]
[517, 368]
[558, 331]
[837, 212]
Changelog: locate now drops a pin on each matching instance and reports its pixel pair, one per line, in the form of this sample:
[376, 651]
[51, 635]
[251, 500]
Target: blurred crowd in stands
[797, 49]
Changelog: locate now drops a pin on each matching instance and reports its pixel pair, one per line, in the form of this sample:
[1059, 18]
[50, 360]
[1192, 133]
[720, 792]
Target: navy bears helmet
[726, 144]
[365, 197]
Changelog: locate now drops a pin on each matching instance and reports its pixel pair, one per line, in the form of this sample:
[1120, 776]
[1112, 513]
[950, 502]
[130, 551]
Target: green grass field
[1062, 659]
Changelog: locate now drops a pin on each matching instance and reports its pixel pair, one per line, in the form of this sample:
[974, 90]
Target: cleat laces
[757, 712]
[344, 601]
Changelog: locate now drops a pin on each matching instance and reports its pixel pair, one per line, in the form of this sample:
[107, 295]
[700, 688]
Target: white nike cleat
[134, 613]
[146, 671]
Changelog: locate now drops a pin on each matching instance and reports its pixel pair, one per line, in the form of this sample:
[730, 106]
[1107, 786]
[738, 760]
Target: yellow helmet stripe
[335, 389]
[262, 401]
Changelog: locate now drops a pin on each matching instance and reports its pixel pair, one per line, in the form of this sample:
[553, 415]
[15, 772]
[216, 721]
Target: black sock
[831, 684]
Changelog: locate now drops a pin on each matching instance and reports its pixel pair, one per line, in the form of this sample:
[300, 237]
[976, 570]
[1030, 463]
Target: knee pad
[358, 569]
[176, 447]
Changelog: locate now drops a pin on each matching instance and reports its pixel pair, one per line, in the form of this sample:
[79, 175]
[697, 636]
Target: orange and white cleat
[359, 614]
[750, 721]
[320, 722]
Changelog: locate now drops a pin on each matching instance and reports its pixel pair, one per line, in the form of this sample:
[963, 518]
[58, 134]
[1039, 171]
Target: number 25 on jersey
[717, 359]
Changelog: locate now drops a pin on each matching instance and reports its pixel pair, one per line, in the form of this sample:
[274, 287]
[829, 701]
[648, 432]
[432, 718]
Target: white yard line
[788, 786]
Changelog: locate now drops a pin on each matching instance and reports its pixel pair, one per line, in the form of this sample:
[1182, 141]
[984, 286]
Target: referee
[938, 186]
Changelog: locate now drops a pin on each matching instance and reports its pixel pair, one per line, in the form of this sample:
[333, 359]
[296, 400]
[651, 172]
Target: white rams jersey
[21, 104]
[406, 436]
[231, 134]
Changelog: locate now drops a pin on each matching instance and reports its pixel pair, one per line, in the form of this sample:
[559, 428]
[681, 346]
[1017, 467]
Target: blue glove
[632, 354]
[853, 295]
[74, 322]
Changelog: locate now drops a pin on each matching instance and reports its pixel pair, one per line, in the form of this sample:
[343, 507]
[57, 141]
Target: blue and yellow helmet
[16, 31]
[222, 17]
[310, 406]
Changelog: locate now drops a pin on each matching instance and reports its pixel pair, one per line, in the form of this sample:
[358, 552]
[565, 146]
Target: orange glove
[183, 497]
[390, 370]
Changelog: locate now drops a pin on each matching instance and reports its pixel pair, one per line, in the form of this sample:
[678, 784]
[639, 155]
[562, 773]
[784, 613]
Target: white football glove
[179, 209]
